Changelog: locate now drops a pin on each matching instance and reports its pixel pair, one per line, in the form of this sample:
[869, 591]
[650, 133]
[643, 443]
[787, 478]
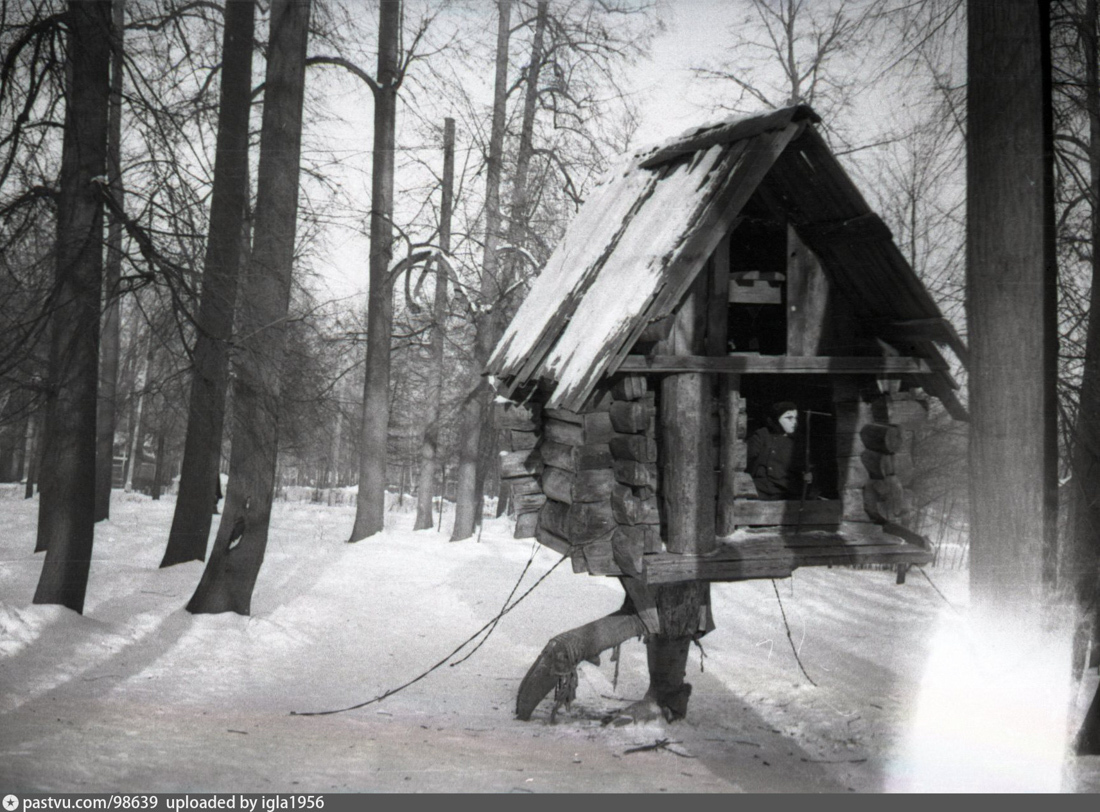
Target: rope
[938, 592]
[790, 639]
[534, 549]
[442, 662]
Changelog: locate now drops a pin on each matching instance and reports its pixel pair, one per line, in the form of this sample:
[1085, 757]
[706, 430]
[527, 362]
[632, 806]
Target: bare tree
[429, 446]
[468, 495]
[230, 575]
[190, 531]
[788, 52]
[109, 338]
[66, 525]
[370, 506]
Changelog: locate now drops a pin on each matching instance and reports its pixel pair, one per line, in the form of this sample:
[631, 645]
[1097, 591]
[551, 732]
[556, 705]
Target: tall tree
[230, 575]
[1010, 306]
[109, 339]
[67, 492]
[370, 506]
[429, 446]
[477, 402]
[1082, 562]
[191, 521]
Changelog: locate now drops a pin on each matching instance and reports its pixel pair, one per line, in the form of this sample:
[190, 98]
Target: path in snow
[138, 695]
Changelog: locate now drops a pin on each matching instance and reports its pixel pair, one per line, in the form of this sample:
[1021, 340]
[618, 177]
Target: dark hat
[781, 407]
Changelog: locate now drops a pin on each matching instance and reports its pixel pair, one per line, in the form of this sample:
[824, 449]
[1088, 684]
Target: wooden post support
[688, 491]
[807, 298]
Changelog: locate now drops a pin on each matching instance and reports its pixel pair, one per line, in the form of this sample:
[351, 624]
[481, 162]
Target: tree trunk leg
[684, 611]
[560, 657]
[667, 666]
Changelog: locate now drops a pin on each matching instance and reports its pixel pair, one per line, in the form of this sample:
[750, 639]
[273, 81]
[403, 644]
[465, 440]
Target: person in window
[772, 459]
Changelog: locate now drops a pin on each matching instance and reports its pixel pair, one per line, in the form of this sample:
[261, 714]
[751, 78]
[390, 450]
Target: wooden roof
[641, 238]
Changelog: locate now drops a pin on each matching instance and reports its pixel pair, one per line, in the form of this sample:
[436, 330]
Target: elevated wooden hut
[705, 279]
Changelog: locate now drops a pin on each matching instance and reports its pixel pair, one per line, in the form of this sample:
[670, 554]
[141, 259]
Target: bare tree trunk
[198, 486]
[238, 552]
[1012, 434]
[135, 424]
[30, 455]
[1082, 561]
[109, 342]
[370, 507]
[518, 225]
[429, 447]
[467, 497]
[68, 501]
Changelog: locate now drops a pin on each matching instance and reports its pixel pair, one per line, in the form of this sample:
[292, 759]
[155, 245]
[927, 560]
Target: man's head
[785, 415]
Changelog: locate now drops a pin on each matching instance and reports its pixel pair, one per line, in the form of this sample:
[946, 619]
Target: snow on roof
[643, 235]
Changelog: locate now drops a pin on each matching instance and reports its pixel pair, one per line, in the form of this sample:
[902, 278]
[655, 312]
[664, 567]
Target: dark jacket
[772, 464]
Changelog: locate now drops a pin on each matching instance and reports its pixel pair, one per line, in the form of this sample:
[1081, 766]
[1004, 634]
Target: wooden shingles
[640, 241]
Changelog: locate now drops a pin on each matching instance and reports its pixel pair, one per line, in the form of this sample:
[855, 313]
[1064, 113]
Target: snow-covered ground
[138, 695]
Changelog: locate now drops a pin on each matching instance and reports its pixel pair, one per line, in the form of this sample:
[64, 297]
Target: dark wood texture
[1011, 322]
[576, 458]
[747, 513]
[775, 555]
[807, 298]
[739, 363]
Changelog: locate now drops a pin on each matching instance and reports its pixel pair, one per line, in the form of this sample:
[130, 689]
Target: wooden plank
[520, 463]
[688, 481]
[741, 173]
[862, 228]
[732, 450]
[755, 293]
[777, 556]
[670, 569]
[742, 363]
[808, 298]
[749, 513]
[576, 458]
[740, 129]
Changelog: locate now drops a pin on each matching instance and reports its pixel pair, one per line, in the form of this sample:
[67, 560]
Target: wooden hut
[705, 279]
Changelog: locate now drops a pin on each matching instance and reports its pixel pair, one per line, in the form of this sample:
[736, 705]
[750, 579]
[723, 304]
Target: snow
[138, 695]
